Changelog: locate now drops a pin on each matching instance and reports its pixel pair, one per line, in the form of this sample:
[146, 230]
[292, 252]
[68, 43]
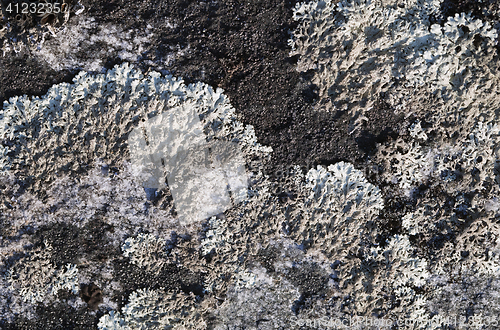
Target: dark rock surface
[240, 46]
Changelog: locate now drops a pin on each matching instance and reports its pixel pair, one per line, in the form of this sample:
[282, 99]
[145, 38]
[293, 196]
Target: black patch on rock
[382, 125]
[170, 277]
[241, 47]
[267, 258]
[479, 9]
[23, 74]
[309, 278]
[389, 221]
[59, 316]
[70, 243]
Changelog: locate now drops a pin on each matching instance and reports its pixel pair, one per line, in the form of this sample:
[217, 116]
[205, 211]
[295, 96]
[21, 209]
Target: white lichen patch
[220, 240]
[408, 165]
[146, 251]
[269, 304]
[91, 117]
[339, 204]
[343, 192]
[402, 272]
[35, 278]
[216, 236]
[78, 200]
[417, 132]
[154, 309]
[359, 48]
[411, 224]
[69, 47]
[200, 174]
[481, 150]
[410, 270]
[467, 162]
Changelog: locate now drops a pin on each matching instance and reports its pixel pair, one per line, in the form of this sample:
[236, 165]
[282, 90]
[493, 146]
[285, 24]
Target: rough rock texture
[241, 47]
[398, 222]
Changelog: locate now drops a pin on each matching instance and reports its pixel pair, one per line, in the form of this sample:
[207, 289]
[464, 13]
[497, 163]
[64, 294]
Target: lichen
[36, 278]
[146, 251]
[60, 126]
[359, 49]
[153, 309]
[339, 204]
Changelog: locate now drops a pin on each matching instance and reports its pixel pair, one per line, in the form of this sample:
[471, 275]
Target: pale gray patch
[202, 176]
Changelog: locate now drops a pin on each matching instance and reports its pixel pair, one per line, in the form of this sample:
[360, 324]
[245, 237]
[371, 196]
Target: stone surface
[286, 253]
